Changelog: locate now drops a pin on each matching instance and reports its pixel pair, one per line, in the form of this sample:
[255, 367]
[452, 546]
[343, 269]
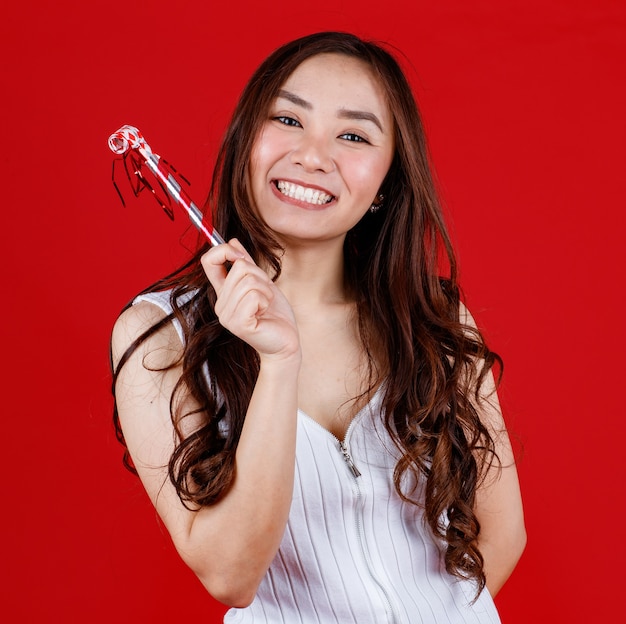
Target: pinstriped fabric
[353, 552]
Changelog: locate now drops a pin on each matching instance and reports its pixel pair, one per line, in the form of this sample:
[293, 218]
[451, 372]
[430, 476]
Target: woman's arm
[502, 537]
[231, 544]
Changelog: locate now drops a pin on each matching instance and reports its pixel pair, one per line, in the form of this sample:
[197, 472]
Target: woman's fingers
[234, 242]
[248, 303]
[245, 294]
[244, 291]
[217, 259]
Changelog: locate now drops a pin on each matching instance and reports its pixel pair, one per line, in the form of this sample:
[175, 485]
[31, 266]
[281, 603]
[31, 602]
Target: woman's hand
[249, 304]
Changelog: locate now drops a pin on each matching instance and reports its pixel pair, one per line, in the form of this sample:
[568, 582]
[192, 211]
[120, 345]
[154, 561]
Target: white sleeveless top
[353, 552]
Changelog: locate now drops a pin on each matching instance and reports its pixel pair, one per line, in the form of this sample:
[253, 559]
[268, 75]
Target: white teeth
[302, 193]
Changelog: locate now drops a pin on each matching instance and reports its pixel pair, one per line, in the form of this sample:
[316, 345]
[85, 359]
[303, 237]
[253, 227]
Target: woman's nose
[313, 153]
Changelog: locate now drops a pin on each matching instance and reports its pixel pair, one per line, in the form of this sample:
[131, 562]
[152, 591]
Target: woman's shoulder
[147, 322]
[465, 316]
[162, 299]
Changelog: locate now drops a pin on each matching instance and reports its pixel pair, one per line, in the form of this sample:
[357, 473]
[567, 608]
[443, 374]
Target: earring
[377, 203]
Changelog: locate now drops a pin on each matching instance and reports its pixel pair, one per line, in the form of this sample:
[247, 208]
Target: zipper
[361, 533]
[343, 448]
[353, 469]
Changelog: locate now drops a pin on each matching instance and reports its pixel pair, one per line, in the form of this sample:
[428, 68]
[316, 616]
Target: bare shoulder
[489, 405]
[148, 369]
[147, 372]
[465, 316]
[163, 346]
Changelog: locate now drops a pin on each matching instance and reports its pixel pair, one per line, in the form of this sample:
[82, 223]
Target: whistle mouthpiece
[127, 138]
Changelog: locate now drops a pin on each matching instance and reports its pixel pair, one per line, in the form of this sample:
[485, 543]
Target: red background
[524, 103]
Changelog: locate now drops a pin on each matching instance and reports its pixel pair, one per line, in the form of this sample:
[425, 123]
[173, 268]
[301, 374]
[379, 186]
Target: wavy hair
[401, 267]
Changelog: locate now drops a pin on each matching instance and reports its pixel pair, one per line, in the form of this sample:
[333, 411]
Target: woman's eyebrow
[295, 99]
[343, 113]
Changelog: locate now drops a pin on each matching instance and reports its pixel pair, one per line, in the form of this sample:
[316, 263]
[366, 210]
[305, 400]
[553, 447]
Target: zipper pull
[344, 449]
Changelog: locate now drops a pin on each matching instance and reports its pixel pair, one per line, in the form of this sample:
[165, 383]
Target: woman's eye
[287, 121]
[350, 136]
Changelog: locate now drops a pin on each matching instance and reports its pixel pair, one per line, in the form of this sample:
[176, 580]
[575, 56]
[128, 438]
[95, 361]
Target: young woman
[310, 406]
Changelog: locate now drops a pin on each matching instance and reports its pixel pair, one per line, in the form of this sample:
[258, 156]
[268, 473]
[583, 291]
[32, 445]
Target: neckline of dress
[357, 417]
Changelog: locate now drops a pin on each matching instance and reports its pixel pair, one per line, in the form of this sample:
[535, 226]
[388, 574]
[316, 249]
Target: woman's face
[324, 150]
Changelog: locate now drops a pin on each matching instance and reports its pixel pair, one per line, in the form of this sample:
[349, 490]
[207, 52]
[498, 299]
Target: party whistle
[129, 138]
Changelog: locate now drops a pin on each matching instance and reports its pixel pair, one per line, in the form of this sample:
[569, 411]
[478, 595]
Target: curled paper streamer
[127, 138]
[130, 138]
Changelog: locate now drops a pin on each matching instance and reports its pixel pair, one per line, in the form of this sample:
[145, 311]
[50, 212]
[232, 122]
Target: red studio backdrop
[524, 105]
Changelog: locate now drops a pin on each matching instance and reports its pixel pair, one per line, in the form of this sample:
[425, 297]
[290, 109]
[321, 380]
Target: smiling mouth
[303, 193]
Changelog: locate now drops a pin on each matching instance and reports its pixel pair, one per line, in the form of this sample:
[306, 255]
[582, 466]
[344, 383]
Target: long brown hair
[436, 363]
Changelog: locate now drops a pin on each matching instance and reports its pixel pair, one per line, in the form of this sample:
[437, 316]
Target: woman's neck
[313, 275]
